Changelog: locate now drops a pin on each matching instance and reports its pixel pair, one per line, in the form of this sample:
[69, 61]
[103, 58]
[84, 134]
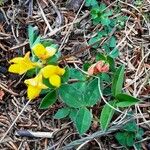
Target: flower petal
[60, 71]
[49, 70]
[105, 68]
[55, 80]
[39, 50]
[99, 65]
[33, 92]
[17, 68]
[91, 69]
[16, 60]
[51, 51]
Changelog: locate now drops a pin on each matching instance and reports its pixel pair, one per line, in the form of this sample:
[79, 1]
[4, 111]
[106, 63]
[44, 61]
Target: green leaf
[65, 77]
[114, 53]
[105, 21]
[91, 94]
[62, 113]
[76, 74]
[130, 126]
[46, 43]
[125, 100]
[111, 63]
[32, 34]
[106, 115]
[73, 114]
[91, 3]
[48, 100]
[100, 56]
[94, 40]
[125, 138]
[105, 77]
[71, 96]
[139, 134]
[83, 120]
[112, 42]
[118, 79]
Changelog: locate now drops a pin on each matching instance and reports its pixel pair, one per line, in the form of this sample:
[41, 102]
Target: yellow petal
[50, 51]
[55, 80]
[31, 82]
[39, 50]
[49, 70]
[33, 92]
[17, 68]
[60, 71]
[16, 60]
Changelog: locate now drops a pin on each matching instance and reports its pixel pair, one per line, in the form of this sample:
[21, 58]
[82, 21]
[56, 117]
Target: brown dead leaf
[1, 94]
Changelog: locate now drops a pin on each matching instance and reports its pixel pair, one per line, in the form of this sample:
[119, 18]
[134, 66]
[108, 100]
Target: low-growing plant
[78, 97]
[54, 80]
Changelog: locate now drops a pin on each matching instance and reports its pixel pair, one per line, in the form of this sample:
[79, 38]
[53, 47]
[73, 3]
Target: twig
[57, 11]
[28, 133]
[67, 34]
[1, 140]
[95, 135]
[7, 90]
[44, 17]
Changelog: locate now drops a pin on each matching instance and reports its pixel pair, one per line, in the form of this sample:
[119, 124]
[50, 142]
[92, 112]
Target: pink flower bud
[91, 69]
[105, 68]
[99, 65]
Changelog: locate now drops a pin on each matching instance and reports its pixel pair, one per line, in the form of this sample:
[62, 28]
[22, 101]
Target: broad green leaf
[118, 80]
[125, 100]
[83, 120]
[105, 77]
[62, 113]
[71, 96]
[106, 115]
[91, 94]
[48, 100]
[65, 77]
[76, 74]
[73, 114]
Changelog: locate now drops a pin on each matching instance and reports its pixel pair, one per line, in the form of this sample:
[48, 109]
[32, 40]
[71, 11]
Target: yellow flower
[53, 73]
[22, 64]
[35, 86]
[43, 53]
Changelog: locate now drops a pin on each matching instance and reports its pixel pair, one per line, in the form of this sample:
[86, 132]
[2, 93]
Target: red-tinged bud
[91, 70]
[99, 65]
[105, 68]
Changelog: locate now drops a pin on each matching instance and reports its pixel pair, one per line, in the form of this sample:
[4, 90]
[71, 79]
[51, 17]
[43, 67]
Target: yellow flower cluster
[53, 73]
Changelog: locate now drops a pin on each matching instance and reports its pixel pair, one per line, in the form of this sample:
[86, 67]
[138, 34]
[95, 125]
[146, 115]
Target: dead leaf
[1, 94]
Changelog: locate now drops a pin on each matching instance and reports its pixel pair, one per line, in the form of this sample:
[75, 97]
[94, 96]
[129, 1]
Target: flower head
[53, 73]
[22, 64]
[98, 67]
[35, 86]
[42, 52]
